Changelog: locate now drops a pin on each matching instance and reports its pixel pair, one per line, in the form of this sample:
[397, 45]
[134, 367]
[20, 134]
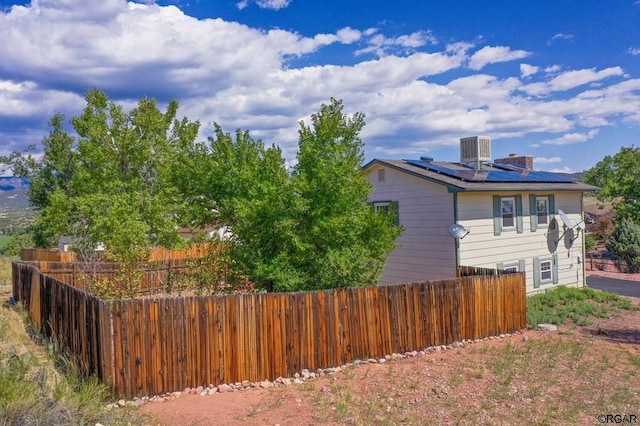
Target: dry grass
[38, 387]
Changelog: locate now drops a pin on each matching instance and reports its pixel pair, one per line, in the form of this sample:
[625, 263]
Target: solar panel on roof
[506, 173]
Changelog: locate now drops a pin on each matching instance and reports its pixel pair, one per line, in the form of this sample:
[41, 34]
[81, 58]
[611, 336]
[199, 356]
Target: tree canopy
[111, 184]
[618, 177]
[130, 180]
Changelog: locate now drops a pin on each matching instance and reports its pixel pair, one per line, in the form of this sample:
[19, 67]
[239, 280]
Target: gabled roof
[490, 177]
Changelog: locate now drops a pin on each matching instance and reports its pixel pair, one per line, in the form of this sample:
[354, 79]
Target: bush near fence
[154, 345]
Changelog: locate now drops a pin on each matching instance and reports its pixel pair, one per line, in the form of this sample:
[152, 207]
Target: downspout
[583, 253]
[455, 220]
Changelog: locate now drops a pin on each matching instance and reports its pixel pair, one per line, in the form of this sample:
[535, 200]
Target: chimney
[523, 161]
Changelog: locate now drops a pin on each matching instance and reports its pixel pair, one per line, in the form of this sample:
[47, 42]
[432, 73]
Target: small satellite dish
[458, 231]
[565, 219]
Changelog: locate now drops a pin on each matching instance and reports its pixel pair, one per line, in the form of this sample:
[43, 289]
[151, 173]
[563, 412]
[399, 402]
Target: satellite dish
[458, 231]
[565, 219]
[581, 225]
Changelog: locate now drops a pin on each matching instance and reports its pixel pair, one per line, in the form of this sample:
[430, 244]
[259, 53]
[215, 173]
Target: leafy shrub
[590, 242]
[625, 244]
[568, 303]
[17, 243]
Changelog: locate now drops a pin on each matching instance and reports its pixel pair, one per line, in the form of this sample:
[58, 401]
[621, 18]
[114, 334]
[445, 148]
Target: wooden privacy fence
[155, 345]
[158, 277]
[156, 254]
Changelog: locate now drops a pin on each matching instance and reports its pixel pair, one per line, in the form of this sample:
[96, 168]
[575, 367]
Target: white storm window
[508, 210]
[542, 210]
[507, 214]
[545, 271]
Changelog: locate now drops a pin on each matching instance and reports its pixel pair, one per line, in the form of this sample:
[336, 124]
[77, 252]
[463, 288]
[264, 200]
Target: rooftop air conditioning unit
[474, 150]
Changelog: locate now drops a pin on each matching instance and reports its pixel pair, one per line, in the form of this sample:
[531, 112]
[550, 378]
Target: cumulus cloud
[382, 45]
[527, 70]
[265, 4]
[560, 36]
[572, 138]
[494, 54]
[564, 169]
[571, 79]
[547, 160]
[417, 94]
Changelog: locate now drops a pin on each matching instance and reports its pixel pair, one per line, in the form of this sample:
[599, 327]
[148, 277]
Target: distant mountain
[11, 183]
[577, 175]
[13, 195]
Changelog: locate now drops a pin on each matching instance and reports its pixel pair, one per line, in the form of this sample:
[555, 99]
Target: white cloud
[553, 69]
[572, 138]
[564, 169]
[635, 51]
[560, 36]
[527, 70]
[266, 4]
[243, 77]
[382, 45]
[571, 79]
[547, 160]
[494, 54]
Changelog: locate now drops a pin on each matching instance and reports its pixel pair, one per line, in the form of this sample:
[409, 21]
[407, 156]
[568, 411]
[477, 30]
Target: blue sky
[558, 80]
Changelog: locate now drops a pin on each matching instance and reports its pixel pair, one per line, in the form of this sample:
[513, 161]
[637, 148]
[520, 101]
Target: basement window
[545, 271]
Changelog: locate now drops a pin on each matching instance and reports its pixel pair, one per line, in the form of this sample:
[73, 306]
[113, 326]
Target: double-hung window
[545, 270]
[507, 213]
[541, 208]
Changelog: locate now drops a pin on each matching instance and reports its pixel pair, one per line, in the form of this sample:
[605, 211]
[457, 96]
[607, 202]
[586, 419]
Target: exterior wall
[482, 248]
[426, 251]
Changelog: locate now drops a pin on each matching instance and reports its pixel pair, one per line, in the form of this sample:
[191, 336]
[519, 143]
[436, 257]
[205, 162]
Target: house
[481, 212]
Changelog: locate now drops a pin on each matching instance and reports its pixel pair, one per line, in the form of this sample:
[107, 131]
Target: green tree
[49, 179]
[625, 244]
[252, 192]
[343, 241]
[618, 177]
[115, 184]
[311, 229]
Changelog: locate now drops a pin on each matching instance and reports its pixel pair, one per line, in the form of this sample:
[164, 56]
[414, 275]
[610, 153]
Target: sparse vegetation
[578, 305]
[38, 387]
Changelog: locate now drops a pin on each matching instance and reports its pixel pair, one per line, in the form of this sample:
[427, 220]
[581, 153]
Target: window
[383, 207]
[508, 211]
[545, 270]
[507, 214]
[510, 267]
[380, 175]
[541, 207]
[542, 210]
[388, 208]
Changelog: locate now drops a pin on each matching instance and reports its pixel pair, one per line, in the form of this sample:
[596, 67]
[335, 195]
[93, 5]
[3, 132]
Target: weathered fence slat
[153, 345]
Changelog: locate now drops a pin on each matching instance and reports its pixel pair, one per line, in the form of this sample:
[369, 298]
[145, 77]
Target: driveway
[621, 287]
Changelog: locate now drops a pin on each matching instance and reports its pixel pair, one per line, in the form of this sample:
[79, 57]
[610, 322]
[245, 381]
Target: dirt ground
[465, 385]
